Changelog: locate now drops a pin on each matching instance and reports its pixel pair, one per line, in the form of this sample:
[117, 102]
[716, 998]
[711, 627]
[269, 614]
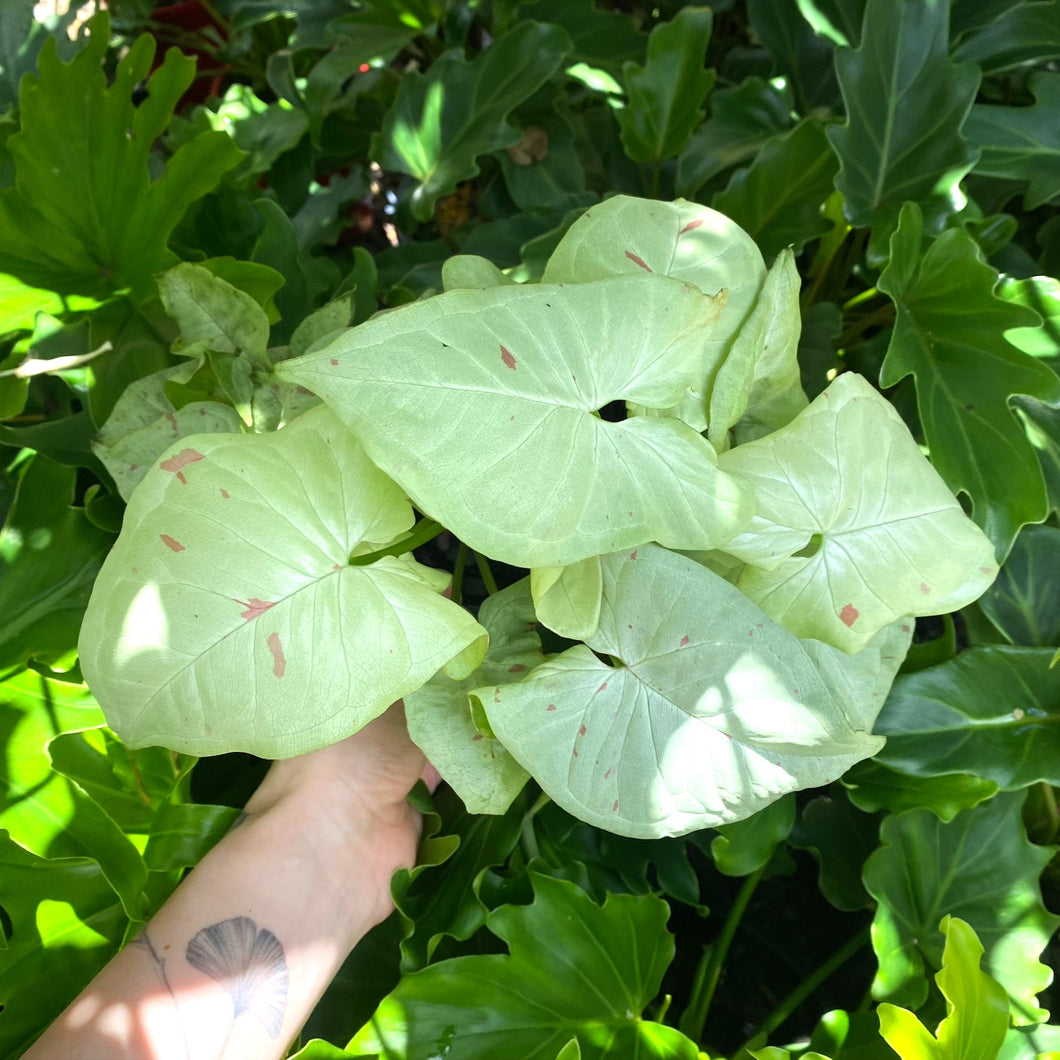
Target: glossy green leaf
[778, 198]
[1024, 602]
[1022, 143]
[854, 528]
[85, 216]
[757, 389]
[236, 573]
[840, 837]
[181, 834]
[212, 314]
[948, 335]
[700, 675]
[746, 846]
[666, 94]
[1026, 33]
[567, 599]
[1042, 294]
[976, 1007]
[742, 119]
[49, 556]
[873, 787]
[484, 374]
[991, 712]
[443, 120]
[475, 765]
[601, 37]
[574, 968]
[905, 102]
[65, 924]
[545, 165]
[979, 867]
[627, 236]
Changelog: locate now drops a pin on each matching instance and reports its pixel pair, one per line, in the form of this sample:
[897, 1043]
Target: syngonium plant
[740, 567]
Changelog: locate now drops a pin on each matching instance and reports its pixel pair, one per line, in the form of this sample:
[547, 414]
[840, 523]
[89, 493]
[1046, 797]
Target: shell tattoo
[249, 963]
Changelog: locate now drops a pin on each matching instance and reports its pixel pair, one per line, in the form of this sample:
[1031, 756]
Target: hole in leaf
[812, 547]
[613, 412]
[608, 660]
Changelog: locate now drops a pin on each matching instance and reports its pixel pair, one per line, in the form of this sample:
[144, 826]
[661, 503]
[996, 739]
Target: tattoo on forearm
[249, 963]
[143, 941]
[239, 820]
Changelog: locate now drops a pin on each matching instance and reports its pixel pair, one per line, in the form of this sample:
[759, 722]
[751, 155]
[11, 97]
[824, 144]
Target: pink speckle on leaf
[516, 668]
[637, 260]
[684, 642]
[905, 629]
[607, 774]
[924, 588]
[177, 463]
[690, 226]
[254, 607]
[575, 752]
[582, 730]
[172, 417]
[171, 543]
[279, 660]
[603, 687]
[334, 362]
[849, 615]
[987, 570]
[476, 737]
[508, 359]
[551, 706]
[633, 554]
[614, 806]
[225, 494]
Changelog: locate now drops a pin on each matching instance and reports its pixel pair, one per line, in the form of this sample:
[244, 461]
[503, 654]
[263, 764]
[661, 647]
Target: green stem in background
[483, 565]
[528, 837]
[819, 975]
[883, 315]
[1040, 814]
[456, 593]
[425, 530]
[694, 1018]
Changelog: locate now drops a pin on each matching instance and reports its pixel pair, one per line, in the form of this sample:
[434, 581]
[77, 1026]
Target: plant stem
[824, 971]
[527, 837]
[425, 530]
[456, 593]
[487, 575]
[695, 1016]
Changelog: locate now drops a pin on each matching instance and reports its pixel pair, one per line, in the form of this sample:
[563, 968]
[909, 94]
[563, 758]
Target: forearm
[235, 961]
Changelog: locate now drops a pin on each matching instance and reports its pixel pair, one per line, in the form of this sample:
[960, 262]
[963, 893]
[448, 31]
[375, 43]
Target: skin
[233, 964]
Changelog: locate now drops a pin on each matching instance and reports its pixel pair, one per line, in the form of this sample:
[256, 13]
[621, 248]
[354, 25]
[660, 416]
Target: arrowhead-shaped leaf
[439, 717]
[905, 105]
[708, 714]
[232, 613]
[667, 92]
[443, 120]
[949, 336]
[854, 527]
[480, 404]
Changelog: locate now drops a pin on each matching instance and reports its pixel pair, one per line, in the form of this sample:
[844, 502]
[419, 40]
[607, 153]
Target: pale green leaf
[232, 613]
[481, 404]
[628, 236]
[854, 528]
[757, 389]
[321, 323]
[712, 680]
[567, 599]
[476, 765]
[470, 272]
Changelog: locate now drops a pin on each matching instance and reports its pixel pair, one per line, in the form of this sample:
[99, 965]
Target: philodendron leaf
[976, 1007]
[443, 120]
[481, 404]
[627, 236]
[145, 423]
[574, 968]
[757, 389]
[667, 92]
[905, 103]
[709, 713]
[980, 867]
[873, 787]
[745, 846]
[232, 613]
[567, 599]
[213, 315]
[854, 528]
[950, 336]
[991, 712]
[472, 762]
[1024, 602]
